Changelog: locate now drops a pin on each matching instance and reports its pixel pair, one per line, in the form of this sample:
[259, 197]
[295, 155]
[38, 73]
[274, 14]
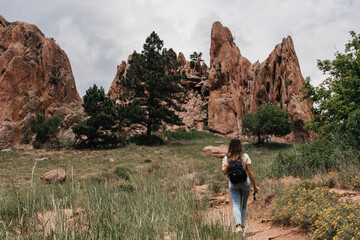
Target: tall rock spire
[237, 86]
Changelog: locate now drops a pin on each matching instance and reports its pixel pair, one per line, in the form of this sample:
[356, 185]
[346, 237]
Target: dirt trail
[258, 225]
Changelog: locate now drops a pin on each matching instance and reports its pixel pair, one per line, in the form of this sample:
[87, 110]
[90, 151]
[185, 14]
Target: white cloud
[98, 35]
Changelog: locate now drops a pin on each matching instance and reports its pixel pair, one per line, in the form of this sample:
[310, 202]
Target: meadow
[131, 192]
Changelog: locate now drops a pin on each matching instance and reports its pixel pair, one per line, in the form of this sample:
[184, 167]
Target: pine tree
[104, 125]
[151, 90]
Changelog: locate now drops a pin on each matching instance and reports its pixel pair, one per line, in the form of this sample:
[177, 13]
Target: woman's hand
[256, 189]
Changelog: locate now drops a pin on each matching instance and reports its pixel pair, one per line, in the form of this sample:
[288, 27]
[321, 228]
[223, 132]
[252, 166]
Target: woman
[239, 192]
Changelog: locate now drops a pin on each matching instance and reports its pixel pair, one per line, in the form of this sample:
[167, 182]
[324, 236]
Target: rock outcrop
[236, 85]
[35, 76]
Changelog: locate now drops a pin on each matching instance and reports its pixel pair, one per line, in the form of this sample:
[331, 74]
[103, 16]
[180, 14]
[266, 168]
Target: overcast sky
[98, 35]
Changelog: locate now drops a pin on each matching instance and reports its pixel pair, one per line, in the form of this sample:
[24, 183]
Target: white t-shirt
[245, 160]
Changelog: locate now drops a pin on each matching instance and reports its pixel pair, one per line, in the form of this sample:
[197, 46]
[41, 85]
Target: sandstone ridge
[35, 76]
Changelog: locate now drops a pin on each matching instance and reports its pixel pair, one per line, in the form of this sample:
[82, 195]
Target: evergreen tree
[269, 119]
[103, 126]
[151, 89]
[195, 55]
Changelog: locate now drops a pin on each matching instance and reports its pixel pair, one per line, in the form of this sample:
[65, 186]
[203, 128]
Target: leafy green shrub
[45, 128]
[144, 140]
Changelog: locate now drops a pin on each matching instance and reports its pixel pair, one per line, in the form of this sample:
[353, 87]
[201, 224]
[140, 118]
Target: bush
[45, 128]
[318, 209]
[321, 156]
[302, 204]
[144, 140]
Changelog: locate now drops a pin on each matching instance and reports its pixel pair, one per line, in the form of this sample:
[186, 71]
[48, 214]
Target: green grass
[133, 192]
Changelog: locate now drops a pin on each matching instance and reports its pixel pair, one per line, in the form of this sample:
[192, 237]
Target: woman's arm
[251, 176]
[224, 169]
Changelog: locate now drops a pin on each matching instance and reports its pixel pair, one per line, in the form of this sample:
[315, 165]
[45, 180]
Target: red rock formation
[36, 76]
[237, 86]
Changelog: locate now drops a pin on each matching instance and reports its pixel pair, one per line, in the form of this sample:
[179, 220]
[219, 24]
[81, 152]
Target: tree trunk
[149, 129]
[259, 137]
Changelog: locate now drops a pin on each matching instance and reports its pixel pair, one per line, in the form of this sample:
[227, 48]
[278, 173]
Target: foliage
[337, 97]
[269, 119]
[318, 209]
[193, 58]
[152, 140]
[45, 128]
[352, 133]
[321, 156]
[182, 134]
[151, 89]
[103, 128]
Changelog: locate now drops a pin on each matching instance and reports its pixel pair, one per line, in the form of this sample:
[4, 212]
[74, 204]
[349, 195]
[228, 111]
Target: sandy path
[258, 227]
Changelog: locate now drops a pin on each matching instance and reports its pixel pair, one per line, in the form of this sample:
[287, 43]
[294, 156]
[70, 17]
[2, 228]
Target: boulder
[54, 176]
[215, 151]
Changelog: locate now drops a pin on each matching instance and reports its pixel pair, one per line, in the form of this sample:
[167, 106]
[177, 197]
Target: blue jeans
[239, 194]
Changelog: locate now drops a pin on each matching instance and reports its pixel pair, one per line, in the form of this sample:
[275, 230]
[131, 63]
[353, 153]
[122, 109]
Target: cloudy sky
[98, 35]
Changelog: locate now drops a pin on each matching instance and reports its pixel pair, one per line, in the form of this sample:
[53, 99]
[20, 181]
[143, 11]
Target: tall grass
[152, 209]
[144, 194]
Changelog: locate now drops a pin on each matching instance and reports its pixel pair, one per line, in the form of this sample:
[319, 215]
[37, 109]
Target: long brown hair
[235, 151]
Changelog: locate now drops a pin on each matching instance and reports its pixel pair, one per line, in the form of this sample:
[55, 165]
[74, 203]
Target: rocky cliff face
[35, 76]
[237, 85]
[195, 106]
